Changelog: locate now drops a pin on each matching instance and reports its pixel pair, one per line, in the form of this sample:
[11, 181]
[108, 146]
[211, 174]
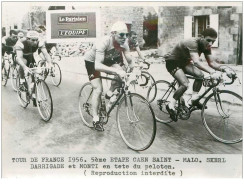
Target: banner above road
[72, 26]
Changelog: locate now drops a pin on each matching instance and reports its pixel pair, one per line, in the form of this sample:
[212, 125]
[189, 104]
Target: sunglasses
[34, 40]
[210, 40]
[122, 35]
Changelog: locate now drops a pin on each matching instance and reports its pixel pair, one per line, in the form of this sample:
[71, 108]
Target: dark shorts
[173, 65]
[92, 73]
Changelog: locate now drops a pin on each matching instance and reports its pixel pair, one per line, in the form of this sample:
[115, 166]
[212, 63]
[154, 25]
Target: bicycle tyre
[4, 75]
[23, 97]
[231, 106]
[44, 100]
[129, 129]
[159, 94]
[56, 69]
[14, 74]
[85, 106]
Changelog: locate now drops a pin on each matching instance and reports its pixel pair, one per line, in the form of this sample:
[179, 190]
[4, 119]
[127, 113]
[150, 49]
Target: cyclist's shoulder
[191, 43]
[20, 44]
[104, 42]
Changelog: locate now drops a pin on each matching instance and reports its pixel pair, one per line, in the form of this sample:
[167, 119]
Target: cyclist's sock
[96, 118]
[195, 96]
[22, 81]
[108, 94]
[172, 103]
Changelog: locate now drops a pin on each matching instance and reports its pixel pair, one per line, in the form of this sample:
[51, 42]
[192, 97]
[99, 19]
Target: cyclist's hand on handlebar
[121, 73]
[28, 70]
[230, 73]
[215, 75]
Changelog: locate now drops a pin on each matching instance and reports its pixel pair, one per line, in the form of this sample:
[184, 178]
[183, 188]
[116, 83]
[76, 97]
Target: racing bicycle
[221, 112]
[135, 118]
[38, 91]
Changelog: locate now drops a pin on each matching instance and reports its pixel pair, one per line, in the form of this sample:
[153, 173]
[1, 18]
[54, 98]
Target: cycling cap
[32, 34]
[119, 27]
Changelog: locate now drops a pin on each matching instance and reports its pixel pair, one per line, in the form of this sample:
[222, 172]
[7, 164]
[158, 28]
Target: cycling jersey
[109, 52]
[7, 44]
[181, 52]
[28, 49]
[180, 55]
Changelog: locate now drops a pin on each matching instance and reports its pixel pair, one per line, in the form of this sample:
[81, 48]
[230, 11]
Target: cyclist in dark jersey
[106, 56]
[25, 48]
[8, 42]
[185, 59]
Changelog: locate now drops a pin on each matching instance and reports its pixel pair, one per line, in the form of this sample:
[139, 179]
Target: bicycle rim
[44, 100]
[160, 94]
[14, 74]
[136, 122]
[23, 97]
[85, 105]
[56, 74]
[223, 116]
[4, 76]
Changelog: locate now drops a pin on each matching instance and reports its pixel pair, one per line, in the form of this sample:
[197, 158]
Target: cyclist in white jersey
[106, 55]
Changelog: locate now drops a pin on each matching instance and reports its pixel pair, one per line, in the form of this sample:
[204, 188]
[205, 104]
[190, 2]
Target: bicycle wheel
[145, 80]
[85, 105]
[223, 116]
[4, 75]
[23, 96]
[160, 94]
[44, 100]
[136, 122]
[56, 74]
[14, 74]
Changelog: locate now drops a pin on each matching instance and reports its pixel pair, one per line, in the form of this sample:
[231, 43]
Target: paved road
[24, 132]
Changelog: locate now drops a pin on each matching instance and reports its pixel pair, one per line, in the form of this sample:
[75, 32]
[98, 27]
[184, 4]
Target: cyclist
[8, 43]
[185, 59]
[24, 55]
[133, 43]
[106, 56]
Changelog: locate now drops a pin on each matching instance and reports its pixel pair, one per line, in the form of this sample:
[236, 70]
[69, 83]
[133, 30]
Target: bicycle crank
[184, 112]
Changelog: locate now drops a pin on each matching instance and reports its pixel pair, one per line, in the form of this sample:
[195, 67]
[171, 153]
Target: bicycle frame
[213, 87]
[122, 92]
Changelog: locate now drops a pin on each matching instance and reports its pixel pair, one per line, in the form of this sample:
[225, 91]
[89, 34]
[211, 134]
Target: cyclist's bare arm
[213, 64]
[196, 62]
[139, 53]
[46, 55]
[128, 56]
[20, 59]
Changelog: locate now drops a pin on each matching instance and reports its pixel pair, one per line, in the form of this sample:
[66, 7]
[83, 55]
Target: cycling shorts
[173, 65]
[92, 73]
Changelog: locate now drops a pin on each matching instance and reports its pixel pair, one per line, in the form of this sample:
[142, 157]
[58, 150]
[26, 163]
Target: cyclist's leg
[194, 71]
[177, 72]
[114, 84]
[96, 95]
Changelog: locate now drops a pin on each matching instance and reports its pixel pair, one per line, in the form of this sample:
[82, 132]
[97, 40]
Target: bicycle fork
[219, 104]
[130, 108]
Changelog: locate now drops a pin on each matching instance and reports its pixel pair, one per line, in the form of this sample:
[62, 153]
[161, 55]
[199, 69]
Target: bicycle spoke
[136, 122]
[227, 107]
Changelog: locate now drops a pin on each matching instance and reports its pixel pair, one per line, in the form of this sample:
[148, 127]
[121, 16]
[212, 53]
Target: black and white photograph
[122, 89]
